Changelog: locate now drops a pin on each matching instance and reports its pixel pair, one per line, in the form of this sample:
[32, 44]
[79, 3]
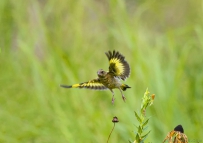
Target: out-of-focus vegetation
[147, 100]
[44, 43]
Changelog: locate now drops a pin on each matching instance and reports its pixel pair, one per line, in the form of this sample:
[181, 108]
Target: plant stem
[111, 133]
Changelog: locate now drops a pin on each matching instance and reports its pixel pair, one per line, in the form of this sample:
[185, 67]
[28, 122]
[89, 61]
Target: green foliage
[147, 100]
[45, 43]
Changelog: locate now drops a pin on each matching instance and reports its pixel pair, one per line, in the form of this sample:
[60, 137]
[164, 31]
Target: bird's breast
[111, 82]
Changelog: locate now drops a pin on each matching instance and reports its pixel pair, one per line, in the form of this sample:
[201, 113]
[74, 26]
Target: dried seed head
[115, 119]
[179, 128]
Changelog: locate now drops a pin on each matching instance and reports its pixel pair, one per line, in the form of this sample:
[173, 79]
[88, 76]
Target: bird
[119, 70]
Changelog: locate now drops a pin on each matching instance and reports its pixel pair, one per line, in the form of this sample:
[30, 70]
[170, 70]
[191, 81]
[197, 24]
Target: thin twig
[110, 133]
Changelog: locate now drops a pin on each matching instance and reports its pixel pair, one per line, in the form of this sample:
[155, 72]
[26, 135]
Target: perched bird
[119, 70]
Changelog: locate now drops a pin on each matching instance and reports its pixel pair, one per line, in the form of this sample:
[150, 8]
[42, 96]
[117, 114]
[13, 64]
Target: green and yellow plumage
[117, 65]
[119, 69]
[92, 84]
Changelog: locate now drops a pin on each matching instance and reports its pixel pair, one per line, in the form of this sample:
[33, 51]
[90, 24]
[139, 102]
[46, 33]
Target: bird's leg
[122, 94]
[112, 96]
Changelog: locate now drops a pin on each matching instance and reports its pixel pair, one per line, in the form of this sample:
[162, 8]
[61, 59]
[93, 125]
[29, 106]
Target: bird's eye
[102, 72]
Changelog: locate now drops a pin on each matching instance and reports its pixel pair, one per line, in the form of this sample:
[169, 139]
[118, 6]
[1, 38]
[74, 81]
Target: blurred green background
[45, 43]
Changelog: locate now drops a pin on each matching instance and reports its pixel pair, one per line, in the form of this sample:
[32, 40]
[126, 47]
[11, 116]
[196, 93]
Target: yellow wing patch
[118, 65]
[119, 68]
[92, 84]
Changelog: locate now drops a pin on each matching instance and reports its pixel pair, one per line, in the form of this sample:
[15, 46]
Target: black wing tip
[126, 73]
[179, 128]
[66, 86]
[109, 55]
[114, 54]
[118, 55]
[127, 70]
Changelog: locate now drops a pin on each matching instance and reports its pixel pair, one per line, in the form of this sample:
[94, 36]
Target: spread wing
[92, 84]
[118, 65]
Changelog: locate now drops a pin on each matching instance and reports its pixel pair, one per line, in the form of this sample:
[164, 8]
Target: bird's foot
[113, 99]
[123, 98]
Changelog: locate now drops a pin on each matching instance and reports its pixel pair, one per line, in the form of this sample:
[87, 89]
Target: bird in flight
[119, 69]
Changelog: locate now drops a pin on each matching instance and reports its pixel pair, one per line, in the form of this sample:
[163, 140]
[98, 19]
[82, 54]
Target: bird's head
[101, 73]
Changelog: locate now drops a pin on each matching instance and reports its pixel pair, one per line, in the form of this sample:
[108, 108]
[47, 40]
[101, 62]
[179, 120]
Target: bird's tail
[124, 87]
[70, 86]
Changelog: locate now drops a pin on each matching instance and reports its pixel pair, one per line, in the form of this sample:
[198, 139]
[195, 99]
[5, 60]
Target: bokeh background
[45, 43]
